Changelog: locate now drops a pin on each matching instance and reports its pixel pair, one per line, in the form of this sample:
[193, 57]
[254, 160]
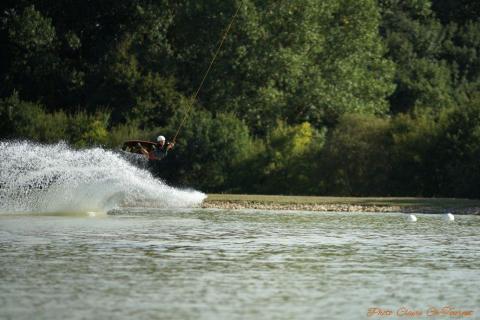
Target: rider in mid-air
[159, 151]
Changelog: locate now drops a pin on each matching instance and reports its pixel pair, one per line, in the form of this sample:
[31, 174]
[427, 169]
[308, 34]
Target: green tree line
[335, 97]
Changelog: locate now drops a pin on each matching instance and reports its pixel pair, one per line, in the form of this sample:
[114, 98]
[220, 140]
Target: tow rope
[193, 98]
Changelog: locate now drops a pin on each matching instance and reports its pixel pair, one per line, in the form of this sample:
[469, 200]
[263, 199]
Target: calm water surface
[204, 264]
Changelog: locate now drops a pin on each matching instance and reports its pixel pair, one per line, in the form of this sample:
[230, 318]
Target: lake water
[216, 264]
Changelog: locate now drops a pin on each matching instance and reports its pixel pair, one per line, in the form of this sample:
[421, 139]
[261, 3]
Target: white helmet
[160, 138]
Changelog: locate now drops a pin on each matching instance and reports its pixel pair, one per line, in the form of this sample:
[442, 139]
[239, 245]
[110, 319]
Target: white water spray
[56, 178]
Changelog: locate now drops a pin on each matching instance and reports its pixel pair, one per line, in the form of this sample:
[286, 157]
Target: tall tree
[414, 38]
[292, 60]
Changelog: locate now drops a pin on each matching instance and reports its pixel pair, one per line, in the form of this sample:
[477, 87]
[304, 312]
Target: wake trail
[56, 178]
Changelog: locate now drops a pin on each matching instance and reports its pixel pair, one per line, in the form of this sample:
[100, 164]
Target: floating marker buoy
[449, 217]
[412, 218]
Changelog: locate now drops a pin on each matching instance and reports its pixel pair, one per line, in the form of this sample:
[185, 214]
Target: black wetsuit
[160, 152]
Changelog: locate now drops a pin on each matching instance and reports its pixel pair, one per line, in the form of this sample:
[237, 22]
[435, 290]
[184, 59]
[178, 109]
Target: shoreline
[328, 204]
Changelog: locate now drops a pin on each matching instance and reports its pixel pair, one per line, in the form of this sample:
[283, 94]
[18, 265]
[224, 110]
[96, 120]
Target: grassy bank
[389, 204]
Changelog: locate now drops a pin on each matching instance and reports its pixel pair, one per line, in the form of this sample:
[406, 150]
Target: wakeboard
[133, 146]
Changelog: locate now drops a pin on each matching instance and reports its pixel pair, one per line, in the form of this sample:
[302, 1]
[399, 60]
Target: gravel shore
[332, 207]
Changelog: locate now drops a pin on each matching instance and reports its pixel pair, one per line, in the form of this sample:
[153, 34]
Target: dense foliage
[341, 97]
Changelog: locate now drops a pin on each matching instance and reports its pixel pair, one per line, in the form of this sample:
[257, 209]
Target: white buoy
[449, 217]
[412, 218]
